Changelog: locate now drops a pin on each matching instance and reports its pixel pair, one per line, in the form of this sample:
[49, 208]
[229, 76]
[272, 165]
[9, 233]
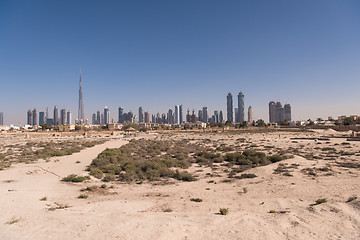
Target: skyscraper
[236, 115]
[279, 112]
[81, 118]
[35, 117]
[170, 117]
[98, 117]
[120, 115]
[1, 118]
[68, 117]
[272, 109]
[229, 107]
[42, 118]
[221, 117]
[29, 117]
[250, 115]
[287, 112]
[106, 115]
[62, 117]
[176, 115]
[56, 116]
[241, 114]
[216, 116]
[205, 117]
[200, 115]
[147, 117]
[141, 115]
[181, 114]
[46, 114]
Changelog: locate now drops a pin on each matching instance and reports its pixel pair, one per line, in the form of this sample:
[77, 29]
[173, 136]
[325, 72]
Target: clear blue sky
[157, 54]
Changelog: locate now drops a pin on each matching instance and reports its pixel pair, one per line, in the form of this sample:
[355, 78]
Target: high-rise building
[62, 120]
[81, 118]
[200, 115]
[193, 117]
[287, 112]
[170, 117]
[221, 117]
[230, 114]
[250, 115]
[98, 117]
[216, 116]
[147, 117]
[120, 115]
[279, 112]
[1, 118]
[141, 115]
[35, 117]
[176, 115]
[205, 117]
[93, 119]
[42, 119]
[106, 115]
[236, 115]
[241, 110]
[29, 117]
[272, 110]
[46, 114]
[102, 122]
[181, 114]
[56, 116]
[68, 117]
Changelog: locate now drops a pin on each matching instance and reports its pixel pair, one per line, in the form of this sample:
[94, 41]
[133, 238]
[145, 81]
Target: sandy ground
[156, 211]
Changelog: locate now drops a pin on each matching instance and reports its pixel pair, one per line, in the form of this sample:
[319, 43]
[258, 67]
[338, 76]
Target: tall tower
[241, 115]
[287, 112]
[56, 116]
[81, 105]
[250, 115]
[141, 115]
[229, 107]
[106, 115]
[176, 115]
[272, 110]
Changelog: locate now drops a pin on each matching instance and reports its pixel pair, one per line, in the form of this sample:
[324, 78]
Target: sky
[158, 54]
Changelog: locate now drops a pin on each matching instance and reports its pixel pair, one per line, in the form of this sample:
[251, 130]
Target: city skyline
[291, 52]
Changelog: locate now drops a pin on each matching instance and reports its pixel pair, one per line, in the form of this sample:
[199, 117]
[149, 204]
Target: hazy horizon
[160, 54]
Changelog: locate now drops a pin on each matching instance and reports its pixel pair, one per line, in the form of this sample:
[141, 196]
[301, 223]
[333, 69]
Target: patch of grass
[272, 211]
[13, 221]
[83, 196]
[352, 198]
[89, 188]
[320, 201]
[75, 178]
[246, 175]
[224, 211]
[196, 199]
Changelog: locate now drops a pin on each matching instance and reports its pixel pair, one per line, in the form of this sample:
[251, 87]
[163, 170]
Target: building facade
[241, 114]
[229, 104]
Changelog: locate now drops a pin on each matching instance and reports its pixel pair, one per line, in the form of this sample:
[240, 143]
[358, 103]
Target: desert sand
[164, 211]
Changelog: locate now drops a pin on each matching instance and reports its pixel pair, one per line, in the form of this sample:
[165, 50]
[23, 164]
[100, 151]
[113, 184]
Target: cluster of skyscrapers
[278, 113]
[34, 118]
[239, 111]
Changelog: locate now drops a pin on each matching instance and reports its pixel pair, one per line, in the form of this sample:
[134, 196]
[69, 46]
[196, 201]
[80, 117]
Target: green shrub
[83, 196]
[97, 173]
[75, 178]
[224, 211]
[196, 199]
[246, 175]
[320, 201]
